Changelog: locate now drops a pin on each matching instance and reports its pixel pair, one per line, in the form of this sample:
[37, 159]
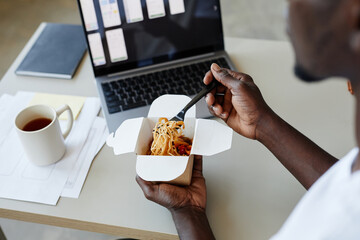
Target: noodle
[168, 139]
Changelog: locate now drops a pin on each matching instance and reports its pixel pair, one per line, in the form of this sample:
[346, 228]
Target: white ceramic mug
[44, 146]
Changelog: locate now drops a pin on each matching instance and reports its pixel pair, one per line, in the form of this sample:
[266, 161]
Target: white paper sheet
[93, 144]
[20, 179]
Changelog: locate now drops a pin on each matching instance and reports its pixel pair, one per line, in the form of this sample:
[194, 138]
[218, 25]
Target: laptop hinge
[160, 65]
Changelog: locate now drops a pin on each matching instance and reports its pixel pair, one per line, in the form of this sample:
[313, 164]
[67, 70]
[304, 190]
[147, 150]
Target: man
[326, 39]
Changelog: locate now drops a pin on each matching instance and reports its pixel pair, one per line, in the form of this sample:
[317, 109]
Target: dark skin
[335, 49]
[244, 110]
[186, 204]
[326, 38]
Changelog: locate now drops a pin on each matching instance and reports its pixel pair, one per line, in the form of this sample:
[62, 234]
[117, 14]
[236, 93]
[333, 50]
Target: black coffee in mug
[36, 124]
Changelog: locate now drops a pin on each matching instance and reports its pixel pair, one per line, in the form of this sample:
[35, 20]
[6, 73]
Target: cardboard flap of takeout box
[164, 169]
[170, 105]
[211, 137]
[135, 135]
[126, 136]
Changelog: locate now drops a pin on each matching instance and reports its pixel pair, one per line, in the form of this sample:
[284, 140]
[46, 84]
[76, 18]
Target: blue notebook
[56, 53]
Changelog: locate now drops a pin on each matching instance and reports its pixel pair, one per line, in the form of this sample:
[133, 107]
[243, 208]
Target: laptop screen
[127, 34]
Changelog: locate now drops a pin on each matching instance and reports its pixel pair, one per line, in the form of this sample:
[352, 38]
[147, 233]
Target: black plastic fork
[206, 89]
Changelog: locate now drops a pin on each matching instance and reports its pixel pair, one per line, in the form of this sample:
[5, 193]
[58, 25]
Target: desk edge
[84, 226]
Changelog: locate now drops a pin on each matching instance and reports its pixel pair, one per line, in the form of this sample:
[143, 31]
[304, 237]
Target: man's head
[326, 38]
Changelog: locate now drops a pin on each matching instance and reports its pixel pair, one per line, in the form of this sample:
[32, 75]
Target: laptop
[142, 49]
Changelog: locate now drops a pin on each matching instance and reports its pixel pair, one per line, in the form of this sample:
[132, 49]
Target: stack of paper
[22, 180]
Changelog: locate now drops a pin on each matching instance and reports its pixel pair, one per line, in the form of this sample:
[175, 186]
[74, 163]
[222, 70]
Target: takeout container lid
[135, 135]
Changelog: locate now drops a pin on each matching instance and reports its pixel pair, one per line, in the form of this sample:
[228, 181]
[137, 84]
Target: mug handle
[60, 111]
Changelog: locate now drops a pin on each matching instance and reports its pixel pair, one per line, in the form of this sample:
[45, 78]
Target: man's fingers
[227, 106]
[211, 110]
[219, 111]
[210, 99]
[240, 76]
[147, 187]
[224, 77]
[198, 164]
[208, 78]
[219, 98]
[215, 108]
[228, 78]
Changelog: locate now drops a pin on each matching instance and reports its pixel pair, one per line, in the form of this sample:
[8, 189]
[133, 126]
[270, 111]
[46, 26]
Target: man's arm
[304, 159]
[192, 223]
[239, 102]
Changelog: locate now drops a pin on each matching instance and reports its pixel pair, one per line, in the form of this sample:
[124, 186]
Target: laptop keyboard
[129, 93]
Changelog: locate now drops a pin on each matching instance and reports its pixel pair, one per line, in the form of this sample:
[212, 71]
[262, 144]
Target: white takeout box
[135, 135]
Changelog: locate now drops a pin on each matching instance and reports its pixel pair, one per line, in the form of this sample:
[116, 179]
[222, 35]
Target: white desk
[249, 193]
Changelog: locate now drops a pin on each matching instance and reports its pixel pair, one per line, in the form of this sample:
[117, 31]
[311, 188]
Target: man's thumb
[224, 76]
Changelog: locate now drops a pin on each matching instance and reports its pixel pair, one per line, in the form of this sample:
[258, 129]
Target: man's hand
[186, 203]
[238, 101]
[175, 197]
